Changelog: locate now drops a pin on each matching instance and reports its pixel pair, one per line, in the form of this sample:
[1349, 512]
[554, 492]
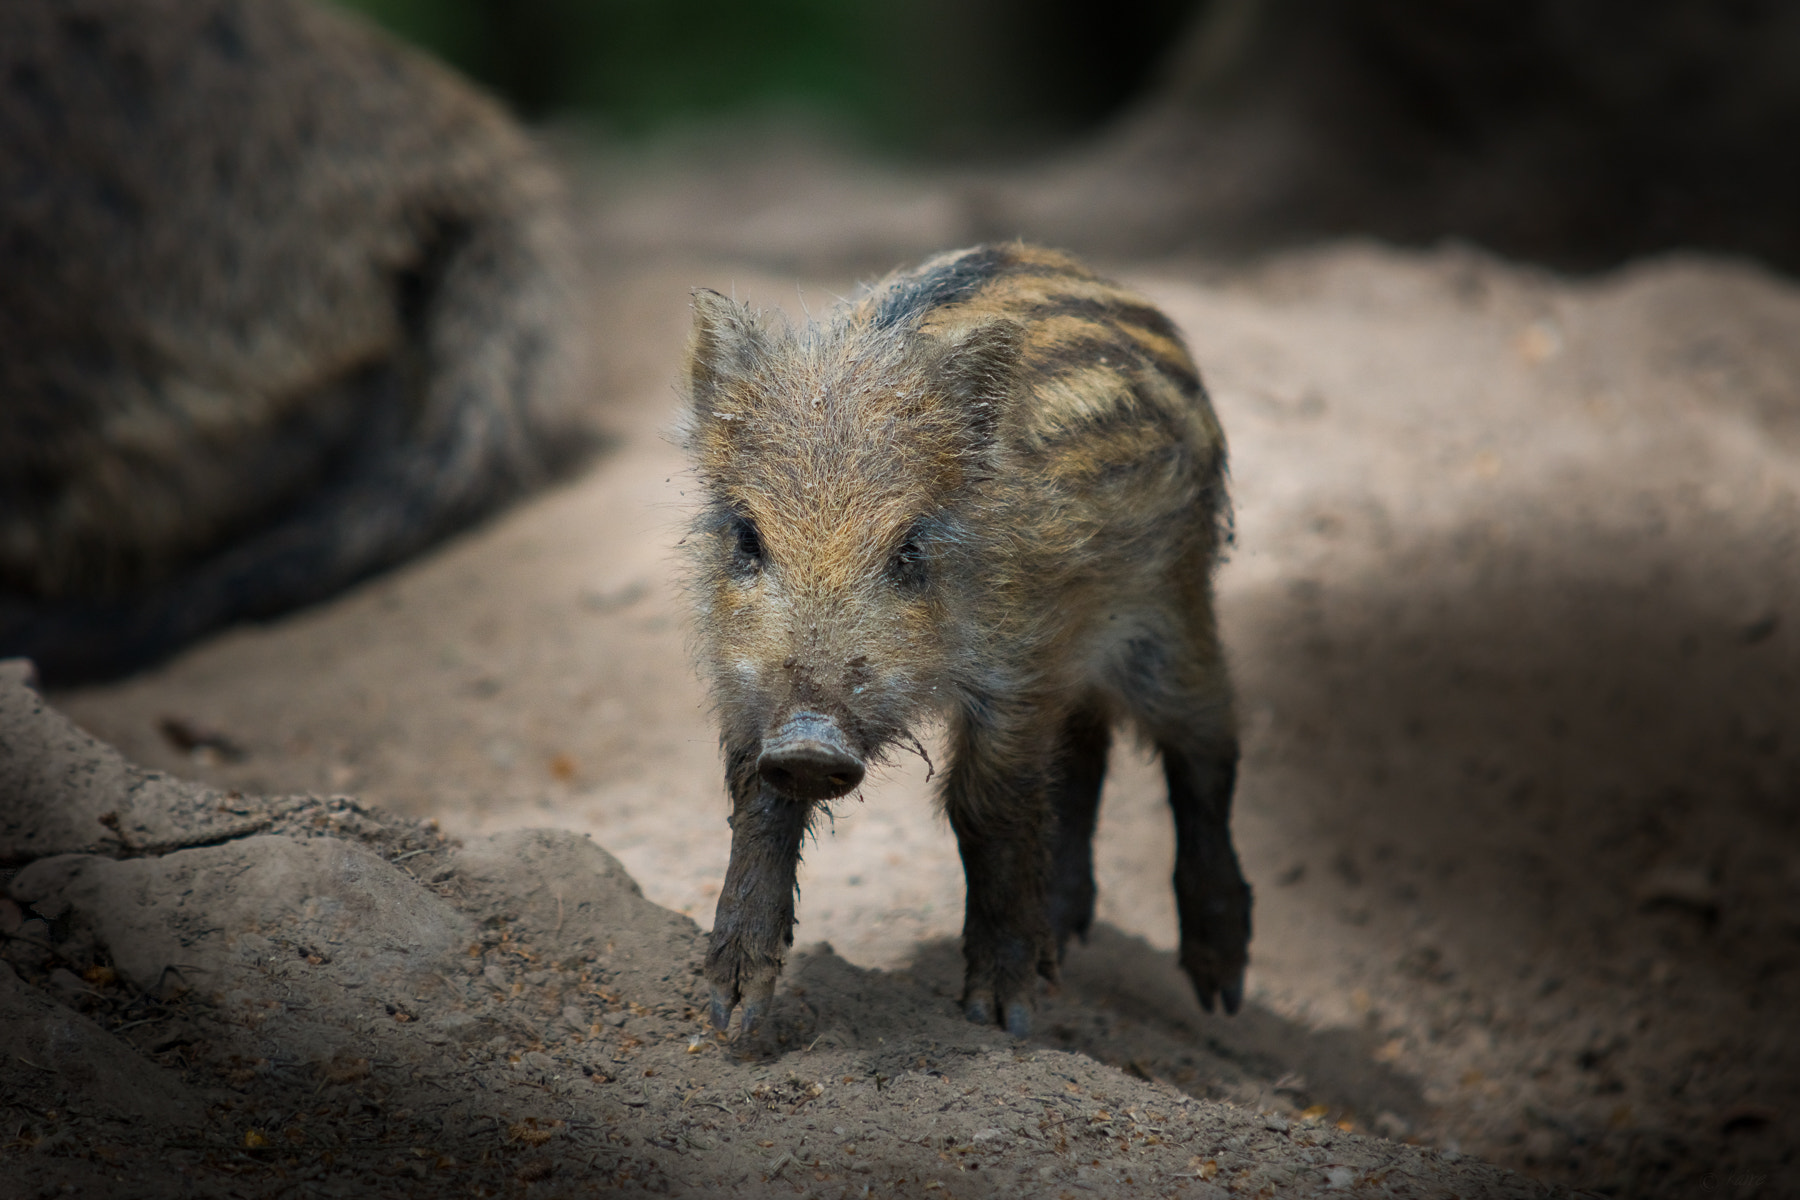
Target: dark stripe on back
[915, 295]
[1079, 353]
[1142, 315]
[1106, 422]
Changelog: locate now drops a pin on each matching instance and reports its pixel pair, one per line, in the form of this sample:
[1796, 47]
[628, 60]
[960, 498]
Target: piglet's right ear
[726, 343]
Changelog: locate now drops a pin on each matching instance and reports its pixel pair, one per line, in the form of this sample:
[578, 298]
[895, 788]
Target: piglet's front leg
[754, 925]
[997, 805]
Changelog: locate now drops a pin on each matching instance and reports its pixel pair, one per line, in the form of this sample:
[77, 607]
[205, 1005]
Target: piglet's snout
[808, 759]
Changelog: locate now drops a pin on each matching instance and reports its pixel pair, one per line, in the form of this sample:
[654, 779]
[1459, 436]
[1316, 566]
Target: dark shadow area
[1551, 783]
[1576, 712]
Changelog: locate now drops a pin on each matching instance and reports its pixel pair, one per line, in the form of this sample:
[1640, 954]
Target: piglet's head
[831, 561]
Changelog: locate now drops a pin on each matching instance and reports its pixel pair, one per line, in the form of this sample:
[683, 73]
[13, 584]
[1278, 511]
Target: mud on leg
[754, 923]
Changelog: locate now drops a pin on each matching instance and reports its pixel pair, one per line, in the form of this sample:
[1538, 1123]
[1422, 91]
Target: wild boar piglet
[991, 493]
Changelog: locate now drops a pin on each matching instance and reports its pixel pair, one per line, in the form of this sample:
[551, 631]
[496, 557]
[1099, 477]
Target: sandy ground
[206, 993]
[1512, 616]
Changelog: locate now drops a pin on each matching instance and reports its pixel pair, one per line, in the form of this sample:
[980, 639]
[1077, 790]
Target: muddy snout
[808, 759]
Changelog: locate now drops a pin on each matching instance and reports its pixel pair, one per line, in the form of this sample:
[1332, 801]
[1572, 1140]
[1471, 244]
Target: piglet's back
[1107, 412]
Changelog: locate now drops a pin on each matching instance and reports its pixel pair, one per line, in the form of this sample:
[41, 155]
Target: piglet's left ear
[727, 342]
[979, 370]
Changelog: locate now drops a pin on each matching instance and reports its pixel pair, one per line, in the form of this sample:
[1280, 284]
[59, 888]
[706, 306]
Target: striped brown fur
[991, 492]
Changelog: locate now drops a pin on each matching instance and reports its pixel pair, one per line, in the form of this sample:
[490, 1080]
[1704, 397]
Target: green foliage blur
[931, 75]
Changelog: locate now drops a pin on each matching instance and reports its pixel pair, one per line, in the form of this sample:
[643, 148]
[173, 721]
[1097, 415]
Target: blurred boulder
[1574, 132]
[281, 303]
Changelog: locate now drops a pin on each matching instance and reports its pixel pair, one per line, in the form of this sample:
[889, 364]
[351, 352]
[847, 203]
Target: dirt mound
[301, 989]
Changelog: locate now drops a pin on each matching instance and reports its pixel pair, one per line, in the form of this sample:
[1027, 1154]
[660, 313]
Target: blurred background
[937, 77]
[1574, 132]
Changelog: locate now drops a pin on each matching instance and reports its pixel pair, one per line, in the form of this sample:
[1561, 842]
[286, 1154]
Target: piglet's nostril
[808, 760]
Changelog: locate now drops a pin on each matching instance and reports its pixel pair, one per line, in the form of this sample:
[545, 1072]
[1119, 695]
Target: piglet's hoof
[1211, 978]
[980, 1011]
[754, 991]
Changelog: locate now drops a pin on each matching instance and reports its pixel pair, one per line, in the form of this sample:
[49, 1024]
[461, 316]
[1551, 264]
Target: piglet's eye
[747, 544]
[908, 567]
